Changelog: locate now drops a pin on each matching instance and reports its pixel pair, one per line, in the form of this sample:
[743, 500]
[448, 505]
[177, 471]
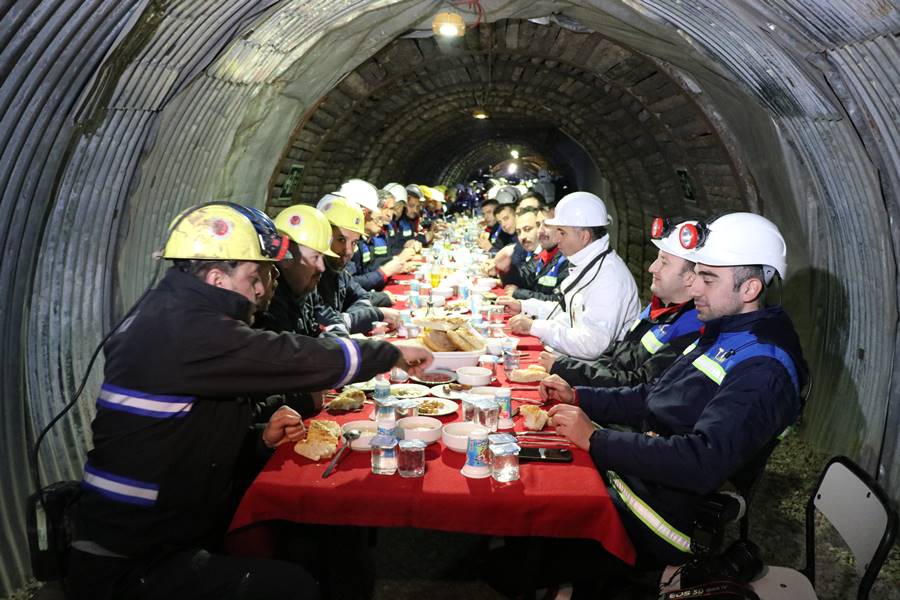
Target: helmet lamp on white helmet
[737, 239]
[580, 209]
[664, 234]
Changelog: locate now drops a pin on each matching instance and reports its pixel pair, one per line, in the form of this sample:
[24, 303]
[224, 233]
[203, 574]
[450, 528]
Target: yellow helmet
[224, 231]
[306, 226]
[343, 214]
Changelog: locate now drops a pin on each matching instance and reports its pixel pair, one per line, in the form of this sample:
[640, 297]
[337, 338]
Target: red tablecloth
[552, 500]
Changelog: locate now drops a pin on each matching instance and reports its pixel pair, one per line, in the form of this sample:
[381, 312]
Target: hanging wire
[473, 6]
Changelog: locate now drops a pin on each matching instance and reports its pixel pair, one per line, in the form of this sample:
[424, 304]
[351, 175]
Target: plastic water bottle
[382, 387]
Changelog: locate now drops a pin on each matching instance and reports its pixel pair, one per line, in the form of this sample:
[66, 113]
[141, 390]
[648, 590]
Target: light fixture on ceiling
[512, 168]
[448, 24]
[514, 153]
[479, 113]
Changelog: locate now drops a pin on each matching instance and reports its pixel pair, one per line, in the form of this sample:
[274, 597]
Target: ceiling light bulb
[479, 113]
[448, 24]
[512, 168]
[514, 154]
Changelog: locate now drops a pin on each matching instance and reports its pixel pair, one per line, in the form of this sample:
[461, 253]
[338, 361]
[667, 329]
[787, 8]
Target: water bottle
[382, 388]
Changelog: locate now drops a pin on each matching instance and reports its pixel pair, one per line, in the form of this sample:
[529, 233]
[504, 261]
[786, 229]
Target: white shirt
[599, 308]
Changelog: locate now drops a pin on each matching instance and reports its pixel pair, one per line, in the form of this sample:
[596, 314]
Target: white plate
[366, 386]
[405, 391]
[448, 407]
[440, 391]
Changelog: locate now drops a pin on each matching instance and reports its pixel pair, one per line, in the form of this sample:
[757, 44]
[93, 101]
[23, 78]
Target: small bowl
[438, 301]
[427, 429]
[473, 376]
[487, 282]
[446, 292]
[456, 435]
[367, 430]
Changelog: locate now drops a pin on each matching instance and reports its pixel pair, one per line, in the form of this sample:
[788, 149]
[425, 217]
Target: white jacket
[598, 308]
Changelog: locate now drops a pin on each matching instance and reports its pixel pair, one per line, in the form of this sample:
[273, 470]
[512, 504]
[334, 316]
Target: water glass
[384, 455]
[411, 458]
[468, 407]
[505, 462]
[487, 414]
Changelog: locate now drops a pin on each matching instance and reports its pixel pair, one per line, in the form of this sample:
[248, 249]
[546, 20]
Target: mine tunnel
[118, 115]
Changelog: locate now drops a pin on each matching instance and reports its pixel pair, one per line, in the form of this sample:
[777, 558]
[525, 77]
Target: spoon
[349, 436]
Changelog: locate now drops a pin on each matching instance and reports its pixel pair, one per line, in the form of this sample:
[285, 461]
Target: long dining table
[566, 500]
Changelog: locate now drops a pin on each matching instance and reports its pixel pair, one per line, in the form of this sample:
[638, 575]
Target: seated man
[665, 328]
[598, 298]
[540, 278]
[372, 265]
[539, 275]
[506, 234]
[491, 226]
[336, 287]
[714, 409]
[510, 261]
[412, 234]
[173, 421]
[295, 306]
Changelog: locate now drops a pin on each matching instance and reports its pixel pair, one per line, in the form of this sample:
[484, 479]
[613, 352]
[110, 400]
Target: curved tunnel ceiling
[406, 115]
[116, 115]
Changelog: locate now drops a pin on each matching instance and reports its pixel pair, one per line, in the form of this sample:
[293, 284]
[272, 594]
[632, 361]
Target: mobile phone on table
[545, 454]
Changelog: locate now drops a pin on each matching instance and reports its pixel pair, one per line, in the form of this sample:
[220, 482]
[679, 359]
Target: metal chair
[862, 514]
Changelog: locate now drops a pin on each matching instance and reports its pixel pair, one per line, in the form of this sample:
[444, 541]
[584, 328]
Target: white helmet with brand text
[580, 209]
[361, 192]
[664, 235]
[737, 239]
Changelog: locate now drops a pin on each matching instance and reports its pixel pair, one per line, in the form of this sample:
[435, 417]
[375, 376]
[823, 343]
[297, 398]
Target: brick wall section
[405, 115]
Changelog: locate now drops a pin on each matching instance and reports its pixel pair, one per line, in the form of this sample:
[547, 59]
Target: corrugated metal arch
[67, 196]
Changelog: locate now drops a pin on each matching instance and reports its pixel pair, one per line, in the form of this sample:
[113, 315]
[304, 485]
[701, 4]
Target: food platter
[435, 377]
[447, 407]
[405, 391]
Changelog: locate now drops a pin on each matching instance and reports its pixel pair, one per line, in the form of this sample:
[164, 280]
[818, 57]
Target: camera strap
[716, 590]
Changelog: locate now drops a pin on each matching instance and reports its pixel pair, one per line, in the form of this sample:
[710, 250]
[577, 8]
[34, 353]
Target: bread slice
[535, 418]
[321, 441]
[348, 400]
[530, 375]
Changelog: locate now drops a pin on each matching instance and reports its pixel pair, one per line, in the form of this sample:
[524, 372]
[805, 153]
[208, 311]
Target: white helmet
[397, 191]
[580, 209]
[666, 237]
[737, 239]
[361, 192]
[327, 198]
